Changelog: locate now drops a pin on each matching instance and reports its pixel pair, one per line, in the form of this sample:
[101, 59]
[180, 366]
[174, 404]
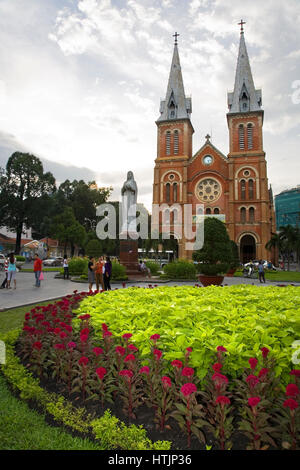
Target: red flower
[71, 345]
[157, 353]
[59, 346]
[155, 337]
[253, 401]
[166, 381]
[101, 371]
[83, 361]
[217, 367]
[144, 370]
[129, 358]
[104, 327]
[265, 352]
[219, 378]
[295, 372]
[98, 351]
[253, 362]
[106, 333]
[126, 373]
[57, 330]
[187, 372]
[291, 404]
[263, 372]
[221, 348]
[85, 317]
[223, 400]
[132, 347]
[120, 350]
[292, 390]
[68, 328]
[189, 350]
[252, 380]
[188, 389]
[85, 331]
[127, 335]
[37, 345]
[63, 335]
[177, 363]
[84, 338]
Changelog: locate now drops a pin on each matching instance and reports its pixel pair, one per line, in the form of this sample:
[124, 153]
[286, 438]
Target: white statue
[129, 198]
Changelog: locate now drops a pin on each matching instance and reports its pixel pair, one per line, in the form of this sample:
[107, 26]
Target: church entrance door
[247, 248]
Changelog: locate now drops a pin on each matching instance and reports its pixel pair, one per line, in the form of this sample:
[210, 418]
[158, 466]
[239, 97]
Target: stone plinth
[129, 256]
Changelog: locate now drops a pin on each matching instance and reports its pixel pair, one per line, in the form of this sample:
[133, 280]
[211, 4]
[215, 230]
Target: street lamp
[92, 223]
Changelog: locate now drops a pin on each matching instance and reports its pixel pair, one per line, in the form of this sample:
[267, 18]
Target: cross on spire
[176, 36]
[241, 24]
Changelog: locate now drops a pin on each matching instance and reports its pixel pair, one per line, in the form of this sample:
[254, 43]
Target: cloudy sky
[81, 81]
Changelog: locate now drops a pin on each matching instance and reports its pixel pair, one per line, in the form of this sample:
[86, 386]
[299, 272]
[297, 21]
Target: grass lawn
[30, 270]
[20, 427]
[277, 276]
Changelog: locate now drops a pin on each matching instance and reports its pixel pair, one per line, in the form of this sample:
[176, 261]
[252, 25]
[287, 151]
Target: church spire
[175, 105]
[245, 97]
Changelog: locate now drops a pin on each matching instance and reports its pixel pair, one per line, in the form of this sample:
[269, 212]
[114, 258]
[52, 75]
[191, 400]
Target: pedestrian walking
[91, 274]
[66, 267]
[5, 283]
[37, 269]
[107, 273]
[11, 271]
[261, 272]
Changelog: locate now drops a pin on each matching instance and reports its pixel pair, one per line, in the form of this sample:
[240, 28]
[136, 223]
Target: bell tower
[249, 219]
[174, 145]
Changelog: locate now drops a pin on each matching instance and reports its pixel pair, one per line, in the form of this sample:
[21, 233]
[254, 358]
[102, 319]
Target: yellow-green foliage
[114, 434]
[241, 318]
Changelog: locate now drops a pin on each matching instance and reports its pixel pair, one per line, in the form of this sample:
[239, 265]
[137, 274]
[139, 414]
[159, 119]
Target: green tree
[216, 254]
[68, 230]
[23, 189]
[94, 248]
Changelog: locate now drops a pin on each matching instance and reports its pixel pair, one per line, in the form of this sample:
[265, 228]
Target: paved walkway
[26, 293]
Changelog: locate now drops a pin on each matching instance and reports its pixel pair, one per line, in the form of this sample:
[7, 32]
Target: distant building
[287, 208]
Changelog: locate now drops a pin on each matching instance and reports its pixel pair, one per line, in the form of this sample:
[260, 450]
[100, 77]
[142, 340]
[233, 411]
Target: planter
[231, 272]
[210, 280]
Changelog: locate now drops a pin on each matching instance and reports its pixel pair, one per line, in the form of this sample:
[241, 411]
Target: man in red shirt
[37, 268]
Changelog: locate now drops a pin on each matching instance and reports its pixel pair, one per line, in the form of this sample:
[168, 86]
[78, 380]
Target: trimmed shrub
[118, 271]
[154, 267]
[180, 269]
[78, 266]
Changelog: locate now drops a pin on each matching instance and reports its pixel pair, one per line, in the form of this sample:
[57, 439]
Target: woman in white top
[66, 267]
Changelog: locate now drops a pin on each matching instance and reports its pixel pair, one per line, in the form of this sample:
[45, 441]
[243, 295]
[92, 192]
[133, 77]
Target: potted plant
[215, 256]
[235, 263]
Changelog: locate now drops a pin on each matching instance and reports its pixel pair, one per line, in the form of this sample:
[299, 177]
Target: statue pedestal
[129, 256]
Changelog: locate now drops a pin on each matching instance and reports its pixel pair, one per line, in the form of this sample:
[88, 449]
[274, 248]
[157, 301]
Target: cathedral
[232, 187]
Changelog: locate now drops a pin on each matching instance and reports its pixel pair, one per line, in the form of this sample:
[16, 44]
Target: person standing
[99, 273]
[11, 271]
[261, 272]
[5, 282]
[107, 273]
[91, 274]
[66, 267]
[37, 268]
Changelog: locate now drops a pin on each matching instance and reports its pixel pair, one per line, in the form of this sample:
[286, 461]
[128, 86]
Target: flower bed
[97, 369]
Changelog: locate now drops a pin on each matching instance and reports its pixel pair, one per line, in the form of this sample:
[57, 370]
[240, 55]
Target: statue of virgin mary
[129, 198]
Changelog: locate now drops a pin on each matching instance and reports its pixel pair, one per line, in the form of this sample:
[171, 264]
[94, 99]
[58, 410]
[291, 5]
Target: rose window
[208, 190]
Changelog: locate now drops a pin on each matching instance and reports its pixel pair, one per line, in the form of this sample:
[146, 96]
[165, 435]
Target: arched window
[175, 192]
[216, 210]
[168, 143]
[208, 211]
[243, 215]
[251, 215]
[241, 137]
[176, 142]
[243, 189]
[250, 189]
[166, 216]
[175, 216]
[250, 136]
[168, 192]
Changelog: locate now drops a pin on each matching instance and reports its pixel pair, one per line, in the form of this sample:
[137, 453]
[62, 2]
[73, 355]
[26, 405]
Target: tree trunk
[18, 239]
